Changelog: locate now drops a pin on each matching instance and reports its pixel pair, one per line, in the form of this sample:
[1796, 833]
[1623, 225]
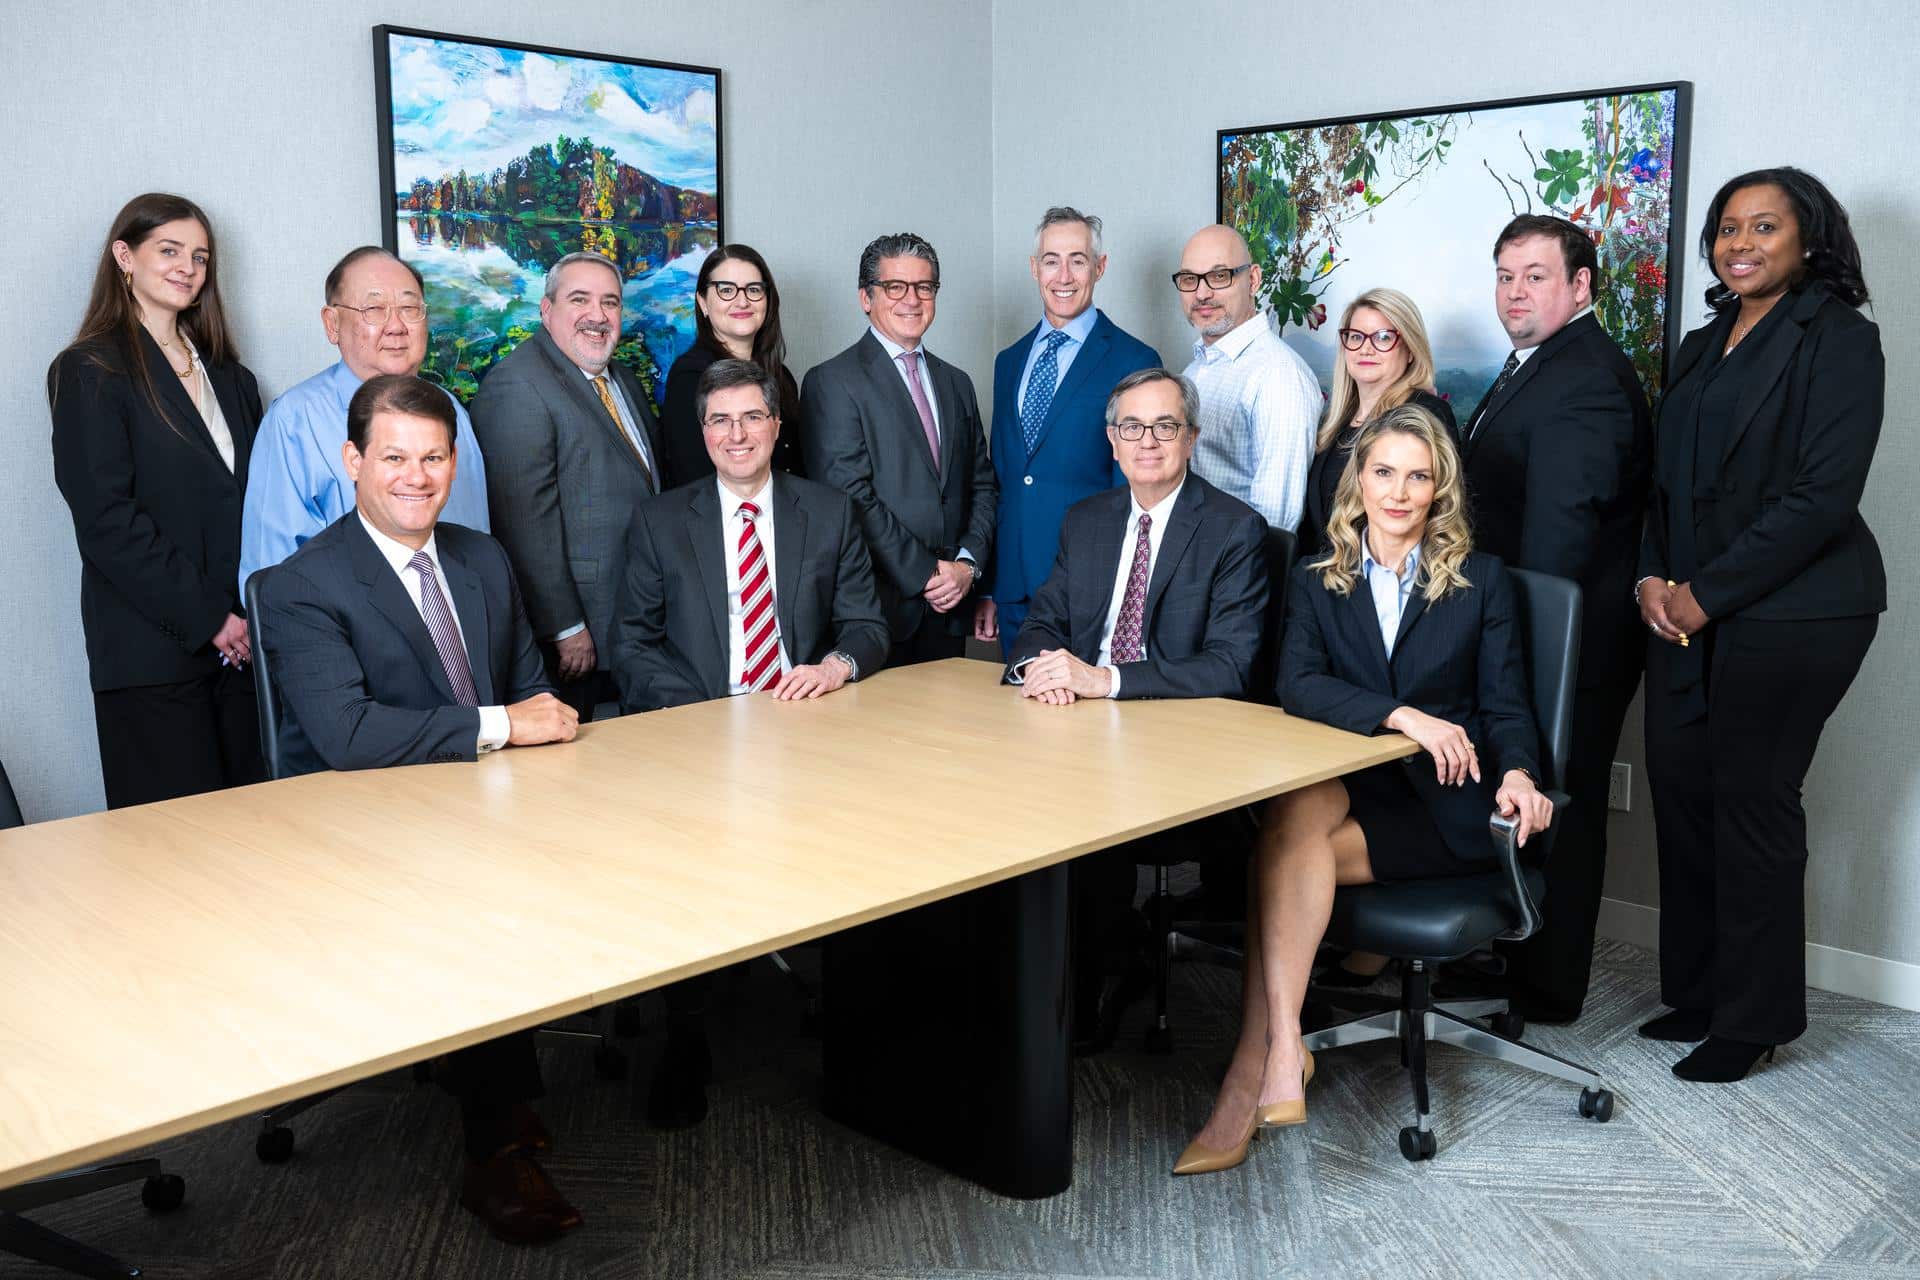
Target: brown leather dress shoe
[512, 1194]
[529, 1134]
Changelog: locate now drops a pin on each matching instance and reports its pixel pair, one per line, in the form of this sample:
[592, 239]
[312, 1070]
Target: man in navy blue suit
[1050, 391]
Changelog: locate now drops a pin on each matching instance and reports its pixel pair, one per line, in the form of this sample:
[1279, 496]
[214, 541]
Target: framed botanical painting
[1412, 200]
[498, 159]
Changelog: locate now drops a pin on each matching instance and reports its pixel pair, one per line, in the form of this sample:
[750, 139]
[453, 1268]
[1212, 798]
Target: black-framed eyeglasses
[751, 420]
[727, 290]
[380, 315]
[1218, 278]
[1165, 430]
[897, 289]
[1382, 339]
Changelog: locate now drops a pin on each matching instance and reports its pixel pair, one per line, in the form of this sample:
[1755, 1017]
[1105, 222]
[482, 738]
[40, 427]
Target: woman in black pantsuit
[1761, 586]
[153, 418]
[1400, 626]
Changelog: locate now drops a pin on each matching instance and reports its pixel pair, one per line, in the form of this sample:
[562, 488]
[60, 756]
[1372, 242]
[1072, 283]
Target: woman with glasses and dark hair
[1385, 362]
[737, 317]
[1762, 588]
[1429, 648]
[153, 418]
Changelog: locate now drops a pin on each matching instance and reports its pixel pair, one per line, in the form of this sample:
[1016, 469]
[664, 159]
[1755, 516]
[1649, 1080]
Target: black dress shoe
[513, 1195]
[677, 1096]
[1683, 1025]
[1719, 1060]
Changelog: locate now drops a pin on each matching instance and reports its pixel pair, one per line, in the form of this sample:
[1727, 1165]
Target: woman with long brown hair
[736, 308]
[153, 419]
[1430, 651]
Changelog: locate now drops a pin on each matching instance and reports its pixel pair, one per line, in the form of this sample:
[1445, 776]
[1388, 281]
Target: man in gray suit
[754, 582]
[898, 431]
[572, 446]
[394, 639]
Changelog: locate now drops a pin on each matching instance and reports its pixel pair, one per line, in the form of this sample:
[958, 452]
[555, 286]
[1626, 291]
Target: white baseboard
[1892, 982]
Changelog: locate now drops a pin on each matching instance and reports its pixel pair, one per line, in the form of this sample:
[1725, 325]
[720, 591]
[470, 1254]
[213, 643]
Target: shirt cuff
[1017, 673]
[495, 729]
[1113, 689]
[570, 632]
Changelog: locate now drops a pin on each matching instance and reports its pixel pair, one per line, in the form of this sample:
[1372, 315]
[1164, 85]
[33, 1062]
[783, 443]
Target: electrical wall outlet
[1620, 787]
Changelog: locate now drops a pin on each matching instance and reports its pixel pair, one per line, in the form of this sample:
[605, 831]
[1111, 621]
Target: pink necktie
[762, 666]
[920, 403]
[1133, 605]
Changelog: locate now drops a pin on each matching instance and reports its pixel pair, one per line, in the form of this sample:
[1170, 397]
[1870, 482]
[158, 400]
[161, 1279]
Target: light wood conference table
[171, 966]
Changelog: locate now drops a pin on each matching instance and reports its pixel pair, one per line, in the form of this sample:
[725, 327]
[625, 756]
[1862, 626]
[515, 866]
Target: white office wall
[841, 121]
[1112, 107]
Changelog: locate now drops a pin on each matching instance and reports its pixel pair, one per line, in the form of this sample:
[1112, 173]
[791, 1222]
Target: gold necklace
[178, 373]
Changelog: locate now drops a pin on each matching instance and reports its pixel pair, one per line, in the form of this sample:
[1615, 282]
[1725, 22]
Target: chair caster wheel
[1597, 1104]
[164, 1192]
[627, 1022]
[1509, 1025]
[609, 1063]
[274, 1146]
[1159, 1039]
[1417, 1144]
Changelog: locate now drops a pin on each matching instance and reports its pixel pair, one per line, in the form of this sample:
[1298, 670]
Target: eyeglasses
[752, 420]
[379, 316]
[1218, 278]
[897, 289]
[1165, 430]
[727, 290]
[1382, 339]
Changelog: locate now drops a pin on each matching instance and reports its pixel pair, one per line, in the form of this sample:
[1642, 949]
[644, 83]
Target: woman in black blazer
[1385, 362]
[1400, 626]
[739, 326]
[153, 419]
[1762, 588]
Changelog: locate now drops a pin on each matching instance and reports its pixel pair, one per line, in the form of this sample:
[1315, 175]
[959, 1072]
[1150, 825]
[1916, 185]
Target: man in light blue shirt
[297, 481]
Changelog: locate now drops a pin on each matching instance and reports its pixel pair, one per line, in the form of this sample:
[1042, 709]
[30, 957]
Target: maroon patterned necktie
[1133, 605]
[757, 622]
[438, 616]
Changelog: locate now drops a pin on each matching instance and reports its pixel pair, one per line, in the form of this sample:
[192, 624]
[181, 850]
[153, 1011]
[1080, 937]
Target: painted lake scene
[1414, 201]
[505, 159]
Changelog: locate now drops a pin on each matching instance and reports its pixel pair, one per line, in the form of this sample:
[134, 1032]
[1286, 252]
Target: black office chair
[1192, 940]
[160, 1191]
[274, 1144]
[1427, 922]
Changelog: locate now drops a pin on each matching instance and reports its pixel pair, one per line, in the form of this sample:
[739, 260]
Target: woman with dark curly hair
[1762, 588]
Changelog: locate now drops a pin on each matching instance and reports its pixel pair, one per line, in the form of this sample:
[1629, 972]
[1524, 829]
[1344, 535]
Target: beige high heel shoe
[1281, 1115]
[1202, 1159]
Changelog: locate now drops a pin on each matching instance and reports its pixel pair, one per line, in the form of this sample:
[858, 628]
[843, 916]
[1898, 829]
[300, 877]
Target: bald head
[1216, 309]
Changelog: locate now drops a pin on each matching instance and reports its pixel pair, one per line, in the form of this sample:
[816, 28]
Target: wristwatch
[853, 668]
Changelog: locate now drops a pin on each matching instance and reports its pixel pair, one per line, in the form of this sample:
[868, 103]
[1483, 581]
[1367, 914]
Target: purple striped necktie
[438, 616]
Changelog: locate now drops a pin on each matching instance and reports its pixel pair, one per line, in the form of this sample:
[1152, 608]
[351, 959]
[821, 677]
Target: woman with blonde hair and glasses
[1385, 362]
[1399, 626]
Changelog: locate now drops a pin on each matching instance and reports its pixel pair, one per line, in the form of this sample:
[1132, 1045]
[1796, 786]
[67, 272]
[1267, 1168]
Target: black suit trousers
[1550, 971]
[932, 640]
[487, 1079]
[161, 741]
[1726, 806]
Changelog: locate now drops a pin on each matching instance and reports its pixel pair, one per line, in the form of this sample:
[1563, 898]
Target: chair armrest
[1506, 852]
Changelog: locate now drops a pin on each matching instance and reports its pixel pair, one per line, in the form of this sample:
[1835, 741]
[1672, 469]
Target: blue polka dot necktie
[1040, 389]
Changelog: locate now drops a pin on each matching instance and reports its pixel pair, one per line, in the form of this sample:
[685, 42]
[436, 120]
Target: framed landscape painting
[1413, 200]
[498, 159]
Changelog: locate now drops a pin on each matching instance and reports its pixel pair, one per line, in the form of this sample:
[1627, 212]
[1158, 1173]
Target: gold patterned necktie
[606, 398]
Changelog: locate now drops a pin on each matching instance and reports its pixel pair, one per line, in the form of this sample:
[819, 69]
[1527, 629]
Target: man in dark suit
[1050, 390]
[897, 430]
[1159, 590]
[397, 640]
[1557, 457]
[751, 582]
[574, 449]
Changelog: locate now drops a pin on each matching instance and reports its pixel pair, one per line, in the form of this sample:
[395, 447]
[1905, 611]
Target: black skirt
[1403, 840]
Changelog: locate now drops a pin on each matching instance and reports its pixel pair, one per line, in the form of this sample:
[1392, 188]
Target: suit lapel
[180, 406]
[888, 380]
[789, 547]
[1769, 364]
[1416, 608]
[1091, 353]
[642, 410]
[1110, 544]
[227, 391]
[389, 596]
[706, 530]
[577, 387]
[949, 412]
[1360, 614]
[1532, 365]
[1181, 526]
[470, 603]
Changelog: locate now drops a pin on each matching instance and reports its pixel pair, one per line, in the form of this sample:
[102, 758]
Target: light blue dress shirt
[297, 482]
[1391, 591]
[1076, 330]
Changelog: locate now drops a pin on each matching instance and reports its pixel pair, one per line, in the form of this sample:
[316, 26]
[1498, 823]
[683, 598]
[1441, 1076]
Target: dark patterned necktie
[1133, 605]
[1499, 385]
[438, 616]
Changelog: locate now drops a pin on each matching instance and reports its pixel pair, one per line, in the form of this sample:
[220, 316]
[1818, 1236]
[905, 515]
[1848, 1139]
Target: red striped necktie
[762, 666]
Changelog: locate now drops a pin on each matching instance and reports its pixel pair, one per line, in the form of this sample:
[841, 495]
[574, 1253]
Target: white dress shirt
[1391, 590]
[1076, 331]
[731, 525]
[495, 726]
[1259, 407]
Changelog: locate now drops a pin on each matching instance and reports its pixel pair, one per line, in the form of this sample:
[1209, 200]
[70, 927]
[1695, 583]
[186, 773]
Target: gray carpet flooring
[1809, 1168]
